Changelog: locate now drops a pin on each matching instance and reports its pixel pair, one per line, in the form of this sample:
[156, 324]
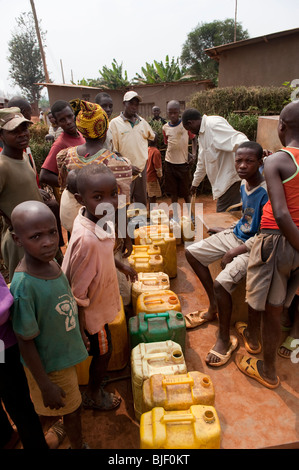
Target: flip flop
[240, 326]
[195, 319]
[89, 403]
[248, 365]
[58, 430]
[287, 344]
[224, 358]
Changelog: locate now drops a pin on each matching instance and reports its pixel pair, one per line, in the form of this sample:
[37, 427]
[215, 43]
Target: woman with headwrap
[92, 122]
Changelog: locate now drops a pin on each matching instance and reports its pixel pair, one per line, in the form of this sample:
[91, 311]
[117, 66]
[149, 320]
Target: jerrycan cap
[205, 381]
[209, 416]
[172, 300]
[179, 316]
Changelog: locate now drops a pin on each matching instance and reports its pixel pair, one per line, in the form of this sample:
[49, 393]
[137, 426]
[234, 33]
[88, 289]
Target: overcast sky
[86, 35]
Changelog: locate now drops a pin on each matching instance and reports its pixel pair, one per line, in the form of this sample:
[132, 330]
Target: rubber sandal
[224, 358]
[58, 430]
[248, 365]
[240, 327]
[89, 403]
[195, 319]
[287, 344]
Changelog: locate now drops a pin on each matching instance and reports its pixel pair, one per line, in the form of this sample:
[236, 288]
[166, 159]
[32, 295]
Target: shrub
[249, 100]
[244, 123]
[38, 145]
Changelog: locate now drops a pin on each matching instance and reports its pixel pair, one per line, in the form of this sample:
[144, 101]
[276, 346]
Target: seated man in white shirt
[217, 143]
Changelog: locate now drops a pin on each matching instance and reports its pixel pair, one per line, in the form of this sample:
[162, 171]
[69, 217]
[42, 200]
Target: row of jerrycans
[175, 407]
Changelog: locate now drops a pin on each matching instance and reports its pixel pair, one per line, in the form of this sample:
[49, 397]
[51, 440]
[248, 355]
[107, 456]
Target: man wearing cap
[130, 135]
[17, 178]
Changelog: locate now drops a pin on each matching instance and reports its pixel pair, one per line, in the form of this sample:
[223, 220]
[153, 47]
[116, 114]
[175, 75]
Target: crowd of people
[56, 308]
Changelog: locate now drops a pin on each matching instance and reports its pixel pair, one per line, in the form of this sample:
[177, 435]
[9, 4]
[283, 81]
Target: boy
[156, 116]
[70, 137]
[177, 161]
[232, 246]
[153, 171]
[17, 179]
[45, 320]
[273, 267]
[90, 267]
[105, 101]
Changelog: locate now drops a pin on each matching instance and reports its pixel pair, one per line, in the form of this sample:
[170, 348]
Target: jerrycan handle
[156, 315]
[177, 380]
[158, 355]
[153, 302]
[178, 417]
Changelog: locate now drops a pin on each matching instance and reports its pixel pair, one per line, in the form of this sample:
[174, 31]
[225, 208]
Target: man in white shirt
[130, 135]
[217, 143]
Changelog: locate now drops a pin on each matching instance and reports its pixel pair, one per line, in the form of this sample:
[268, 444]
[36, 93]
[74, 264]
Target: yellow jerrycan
[158, 302]
[120, 353]
[177, 392]
[164, 240]
[195, 428]
[146, 258]
[149, 282]
[147, 359]
[159, 217]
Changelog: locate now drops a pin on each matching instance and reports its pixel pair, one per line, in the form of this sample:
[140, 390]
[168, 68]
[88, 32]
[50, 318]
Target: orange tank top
[291, 190]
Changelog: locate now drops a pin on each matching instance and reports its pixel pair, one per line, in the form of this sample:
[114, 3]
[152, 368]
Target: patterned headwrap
[91, 119]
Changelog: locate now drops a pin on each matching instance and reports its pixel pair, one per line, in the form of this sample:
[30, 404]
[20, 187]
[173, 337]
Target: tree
[111, 78]
[25, 58]
[159, 72]
[205, 36]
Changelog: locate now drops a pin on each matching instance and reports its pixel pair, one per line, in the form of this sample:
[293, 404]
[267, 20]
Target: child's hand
[227, 258]
[127, 247]
[129, 272]
[215, 230]
[53, 396]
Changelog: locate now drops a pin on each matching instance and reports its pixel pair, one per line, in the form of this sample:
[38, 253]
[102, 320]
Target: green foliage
[244, 123]
[26, 66]
[205, 36]
[160, 72]
[157, 127]
[39, 147]
[247, 100]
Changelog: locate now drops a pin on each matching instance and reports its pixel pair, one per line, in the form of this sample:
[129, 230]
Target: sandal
[224, 358]
[106, 404]
[248, 365]
[289, 345]
[240, 328]
[58, 430]
[195, 319]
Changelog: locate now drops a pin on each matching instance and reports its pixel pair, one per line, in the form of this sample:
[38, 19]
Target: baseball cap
[10, 118]
[130, 95]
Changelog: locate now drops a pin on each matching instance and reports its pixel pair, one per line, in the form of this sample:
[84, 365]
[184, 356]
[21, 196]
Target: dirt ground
[251, 416]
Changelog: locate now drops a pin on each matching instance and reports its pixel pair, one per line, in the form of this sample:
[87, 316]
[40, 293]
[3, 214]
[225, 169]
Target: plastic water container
[157, 302]
[164, 240]
[159, 217]
[177, 392]
[175, 229]
[120, 341]
[136, 212]
[120, 354]
[187, 228]
[149, 282]
[154, 327]
[195, 428]
[146, 258]
[147, 359]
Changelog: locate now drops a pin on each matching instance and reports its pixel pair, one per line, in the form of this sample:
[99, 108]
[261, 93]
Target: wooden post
[40, 42]
[235, 31]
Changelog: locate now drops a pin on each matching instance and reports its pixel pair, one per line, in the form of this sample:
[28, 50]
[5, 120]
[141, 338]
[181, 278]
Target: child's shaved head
[27, 214]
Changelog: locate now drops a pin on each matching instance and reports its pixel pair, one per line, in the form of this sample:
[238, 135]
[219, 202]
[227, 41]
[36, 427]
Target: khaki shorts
[67, 380]
[153, 189]
[214, 248]
[273, 272]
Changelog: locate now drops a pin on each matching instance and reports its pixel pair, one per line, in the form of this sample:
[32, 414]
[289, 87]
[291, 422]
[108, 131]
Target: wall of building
[268, 63]
[157, 94]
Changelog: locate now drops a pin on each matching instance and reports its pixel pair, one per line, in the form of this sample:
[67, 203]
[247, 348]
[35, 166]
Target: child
[232, 246]
[90, 267]
[70, 137]
[17, 178]
[177, 169]
[69, 207]
[106, 103]
[153, 171]
[45, 320]
[14, 390]
[273, 267]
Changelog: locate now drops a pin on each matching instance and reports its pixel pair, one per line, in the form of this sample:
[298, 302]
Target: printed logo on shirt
[68, 308]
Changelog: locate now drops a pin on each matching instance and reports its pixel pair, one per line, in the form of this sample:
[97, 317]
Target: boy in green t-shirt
[45, 320]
